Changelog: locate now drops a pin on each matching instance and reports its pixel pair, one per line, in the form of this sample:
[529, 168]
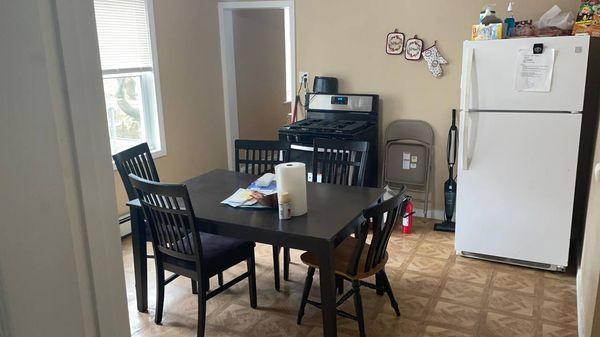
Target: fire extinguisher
[407, 216]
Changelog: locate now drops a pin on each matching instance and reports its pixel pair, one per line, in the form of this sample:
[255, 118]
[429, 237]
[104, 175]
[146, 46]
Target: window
[129, 74]
[289, 77]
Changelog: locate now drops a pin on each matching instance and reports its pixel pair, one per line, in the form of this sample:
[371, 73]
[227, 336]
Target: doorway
[258, 63]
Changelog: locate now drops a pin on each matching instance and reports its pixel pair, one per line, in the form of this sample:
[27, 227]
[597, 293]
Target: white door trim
[94, 180]
[228, 61]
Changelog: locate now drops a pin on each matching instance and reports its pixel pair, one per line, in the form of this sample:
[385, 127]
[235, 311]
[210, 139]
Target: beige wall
[589, 269]
[260, 72]
[187, 34]
[345, 39]
[342, 38]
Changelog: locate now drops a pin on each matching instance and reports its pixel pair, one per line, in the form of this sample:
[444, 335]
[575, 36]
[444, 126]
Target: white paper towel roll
[291, 179]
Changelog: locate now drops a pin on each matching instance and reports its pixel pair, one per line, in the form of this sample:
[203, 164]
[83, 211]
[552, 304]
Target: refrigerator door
[515, 200]
[490, 72]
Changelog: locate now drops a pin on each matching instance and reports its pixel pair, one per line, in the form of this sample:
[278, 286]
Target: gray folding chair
[409, 157]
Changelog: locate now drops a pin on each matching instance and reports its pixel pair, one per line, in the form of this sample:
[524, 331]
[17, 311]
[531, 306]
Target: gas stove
[328, 126]
[339, 116]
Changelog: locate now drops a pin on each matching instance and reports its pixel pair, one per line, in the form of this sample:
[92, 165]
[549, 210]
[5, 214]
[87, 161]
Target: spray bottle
[509, 22]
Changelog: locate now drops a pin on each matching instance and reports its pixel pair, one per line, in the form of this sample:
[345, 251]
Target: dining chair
[340, 162]
[259, 157]
[139, 161]
[356, 260]
[180, 247]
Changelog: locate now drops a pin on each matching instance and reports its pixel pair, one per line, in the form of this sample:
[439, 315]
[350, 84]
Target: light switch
[597, 172]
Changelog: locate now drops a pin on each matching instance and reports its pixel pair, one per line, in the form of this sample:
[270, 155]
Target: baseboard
[580, 321]
[436, 214]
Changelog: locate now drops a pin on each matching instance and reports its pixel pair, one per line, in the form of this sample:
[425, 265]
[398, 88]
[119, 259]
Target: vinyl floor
[439, 293]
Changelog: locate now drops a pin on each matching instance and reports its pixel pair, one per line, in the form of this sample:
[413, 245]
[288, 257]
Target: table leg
[328, 291]
[140, 264]
[378, 282]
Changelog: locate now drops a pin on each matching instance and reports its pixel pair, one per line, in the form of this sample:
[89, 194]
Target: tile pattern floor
[440, 294]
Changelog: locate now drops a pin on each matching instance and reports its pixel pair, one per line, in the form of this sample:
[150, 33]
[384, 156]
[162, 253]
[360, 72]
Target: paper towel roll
[291, 179]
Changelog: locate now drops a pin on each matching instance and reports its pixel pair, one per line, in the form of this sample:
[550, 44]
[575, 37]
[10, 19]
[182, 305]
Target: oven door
[303, 154]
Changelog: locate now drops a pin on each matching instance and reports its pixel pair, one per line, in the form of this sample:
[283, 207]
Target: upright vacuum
[450, 184]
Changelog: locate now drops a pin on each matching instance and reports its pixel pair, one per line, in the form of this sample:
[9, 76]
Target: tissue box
[490, 32]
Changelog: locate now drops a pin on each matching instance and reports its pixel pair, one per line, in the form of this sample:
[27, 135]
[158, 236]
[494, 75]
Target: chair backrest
[383, 216]
[168, 211]
[339, 162]
[137, 160]
[410, 129]
[260, 156]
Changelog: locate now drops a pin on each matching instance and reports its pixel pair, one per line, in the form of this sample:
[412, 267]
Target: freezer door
[490, 71]
[515, 197]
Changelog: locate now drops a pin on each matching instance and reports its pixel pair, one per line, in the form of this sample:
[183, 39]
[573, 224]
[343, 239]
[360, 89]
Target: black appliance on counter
[336, 116]
[325, 85]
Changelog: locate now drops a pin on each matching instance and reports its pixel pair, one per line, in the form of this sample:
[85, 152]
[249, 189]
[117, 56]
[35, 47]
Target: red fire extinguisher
[407, 216]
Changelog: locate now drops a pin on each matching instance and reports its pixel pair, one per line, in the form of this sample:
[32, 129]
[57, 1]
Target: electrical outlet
[303, 77]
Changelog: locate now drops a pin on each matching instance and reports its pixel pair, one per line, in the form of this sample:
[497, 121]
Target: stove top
[327, 126]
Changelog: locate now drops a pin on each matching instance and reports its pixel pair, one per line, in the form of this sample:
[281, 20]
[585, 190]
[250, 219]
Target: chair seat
[341, 259]
[219, 253]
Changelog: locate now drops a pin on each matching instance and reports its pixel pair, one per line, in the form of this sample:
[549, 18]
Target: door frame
[228, 61]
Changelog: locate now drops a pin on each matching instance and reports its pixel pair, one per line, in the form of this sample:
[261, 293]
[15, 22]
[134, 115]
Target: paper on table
[534, 71]
[266, 190]
[241, 197]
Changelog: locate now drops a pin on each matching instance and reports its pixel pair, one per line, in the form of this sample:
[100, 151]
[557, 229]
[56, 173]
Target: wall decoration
[434, 60]
[413, 49]
[394, 44]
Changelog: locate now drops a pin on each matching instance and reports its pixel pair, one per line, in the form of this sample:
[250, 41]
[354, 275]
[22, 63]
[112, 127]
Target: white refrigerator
[518, 148]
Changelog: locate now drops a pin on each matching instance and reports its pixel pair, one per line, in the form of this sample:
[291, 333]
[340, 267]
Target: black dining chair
[180, 247]
[356, 260]
[138, 160]
[339, 161]
[260, 157]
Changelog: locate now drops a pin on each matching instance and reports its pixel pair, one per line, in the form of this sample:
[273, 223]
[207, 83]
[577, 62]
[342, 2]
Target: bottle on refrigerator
[509, 22]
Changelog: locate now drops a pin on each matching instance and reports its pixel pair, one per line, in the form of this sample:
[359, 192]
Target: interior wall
[260, 72]
[346, 39]
[187, 34]
[589, 268]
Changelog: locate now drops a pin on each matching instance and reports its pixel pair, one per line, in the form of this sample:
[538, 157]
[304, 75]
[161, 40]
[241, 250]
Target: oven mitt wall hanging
[394, 44]
[413, 49]
[434, 60]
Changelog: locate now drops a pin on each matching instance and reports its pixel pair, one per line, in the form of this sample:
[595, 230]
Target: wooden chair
[260, 157]
[356, 260]
[180, 248]
[339, 162]
[138, 160]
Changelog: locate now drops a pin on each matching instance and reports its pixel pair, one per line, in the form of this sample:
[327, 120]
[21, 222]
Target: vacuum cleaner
[450, 184]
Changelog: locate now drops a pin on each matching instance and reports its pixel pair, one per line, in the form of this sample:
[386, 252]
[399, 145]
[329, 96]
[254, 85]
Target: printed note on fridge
[534, 71]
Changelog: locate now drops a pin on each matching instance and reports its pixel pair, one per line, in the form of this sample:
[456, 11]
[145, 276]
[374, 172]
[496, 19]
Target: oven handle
[305, 148]
[302, 148]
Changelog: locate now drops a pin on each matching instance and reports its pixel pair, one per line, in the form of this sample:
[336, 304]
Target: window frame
[155, 79]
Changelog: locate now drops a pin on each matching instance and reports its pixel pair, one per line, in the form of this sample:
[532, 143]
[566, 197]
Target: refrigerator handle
[464, 140]
[467, 79]
[466, 96]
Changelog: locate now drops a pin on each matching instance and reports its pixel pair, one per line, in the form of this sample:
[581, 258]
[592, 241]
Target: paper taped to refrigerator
[534, 71]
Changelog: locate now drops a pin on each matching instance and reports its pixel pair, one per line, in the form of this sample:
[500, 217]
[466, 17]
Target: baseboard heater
[125, 225]
[124, 219]
[522, 263]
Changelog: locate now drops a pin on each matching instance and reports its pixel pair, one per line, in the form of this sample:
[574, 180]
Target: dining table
[334, 212]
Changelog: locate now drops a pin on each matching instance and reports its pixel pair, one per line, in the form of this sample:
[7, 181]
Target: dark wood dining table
[334, 211]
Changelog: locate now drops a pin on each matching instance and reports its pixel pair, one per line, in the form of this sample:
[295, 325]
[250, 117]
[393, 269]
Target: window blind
[123, 34]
